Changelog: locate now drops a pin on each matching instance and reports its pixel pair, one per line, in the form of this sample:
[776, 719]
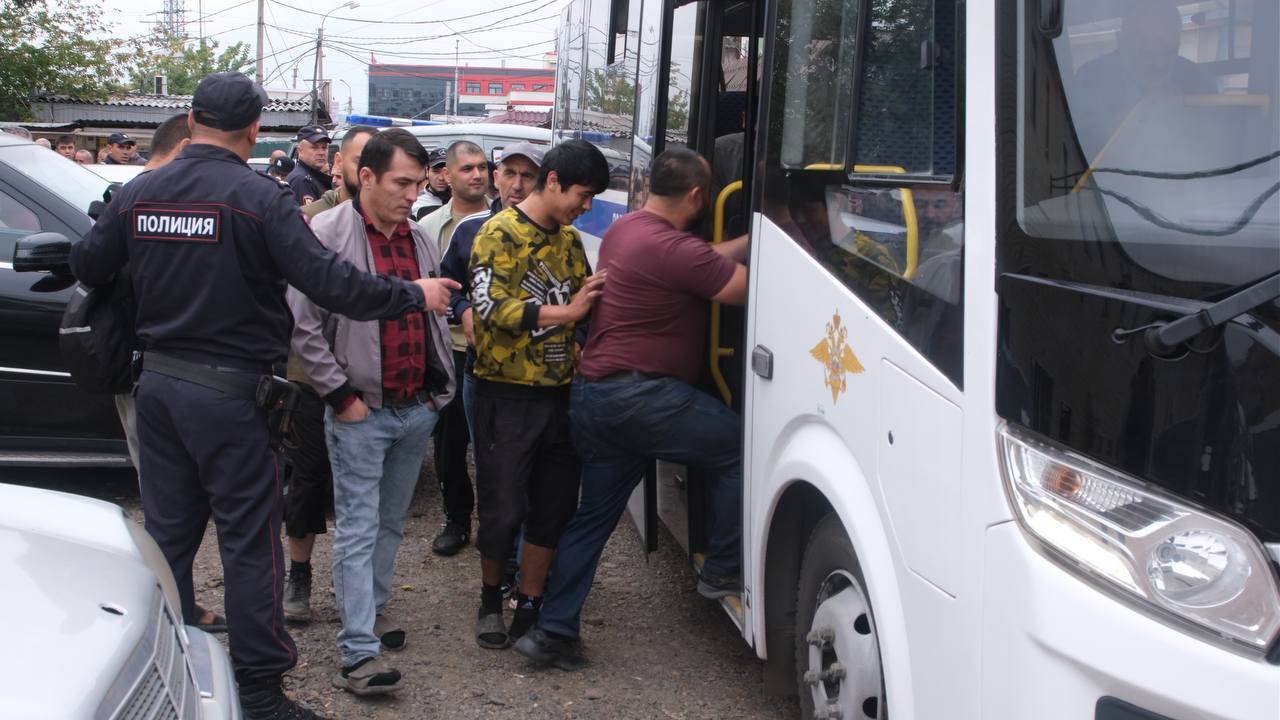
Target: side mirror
[43, 252]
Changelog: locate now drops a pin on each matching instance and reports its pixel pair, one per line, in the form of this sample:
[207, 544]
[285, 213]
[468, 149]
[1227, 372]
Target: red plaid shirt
[403, 340]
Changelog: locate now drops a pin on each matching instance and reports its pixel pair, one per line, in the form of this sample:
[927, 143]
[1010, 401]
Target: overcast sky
[516, 32]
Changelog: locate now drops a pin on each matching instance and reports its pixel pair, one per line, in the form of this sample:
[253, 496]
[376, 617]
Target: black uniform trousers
[310, 479]
[452, 438]
[204, 452]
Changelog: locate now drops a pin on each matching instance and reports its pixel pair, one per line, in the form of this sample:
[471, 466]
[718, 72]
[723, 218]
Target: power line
[413, 22]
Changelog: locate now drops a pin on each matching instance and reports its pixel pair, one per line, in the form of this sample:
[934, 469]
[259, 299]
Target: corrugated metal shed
[138, 111]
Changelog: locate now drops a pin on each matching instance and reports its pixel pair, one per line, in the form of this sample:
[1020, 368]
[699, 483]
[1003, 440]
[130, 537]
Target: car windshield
[1152, 127]
[58, 175]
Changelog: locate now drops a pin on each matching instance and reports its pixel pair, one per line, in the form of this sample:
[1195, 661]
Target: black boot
[452, 538]
[267, 701]
[297, 593]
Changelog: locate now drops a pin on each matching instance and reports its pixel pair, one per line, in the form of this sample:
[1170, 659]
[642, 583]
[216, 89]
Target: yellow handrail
[718, 352]
[908, 209]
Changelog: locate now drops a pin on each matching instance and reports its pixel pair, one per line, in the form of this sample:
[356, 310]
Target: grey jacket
[334, 349]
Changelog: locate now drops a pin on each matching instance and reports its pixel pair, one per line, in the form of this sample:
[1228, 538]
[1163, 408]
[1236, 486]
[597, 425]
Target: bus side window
[899, 249]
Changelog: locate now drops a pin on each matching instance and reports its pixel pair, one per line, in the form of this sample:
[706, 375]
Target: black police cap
[228, 101]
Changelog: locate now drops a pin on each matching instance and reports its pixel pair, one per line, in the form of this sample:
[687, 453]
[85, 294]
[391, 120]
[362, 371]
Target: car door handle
[762, 362]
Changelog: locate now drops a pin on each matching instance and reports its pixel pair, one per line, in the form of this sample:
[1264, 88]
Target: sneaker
[452, 538]
[297, 596]
[267, 701]
[714, 587]
[544, 648]
[370, 676]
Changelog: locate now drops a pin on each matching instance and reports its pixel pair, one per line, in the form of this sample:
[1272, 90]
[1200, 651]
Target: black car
[44, 418]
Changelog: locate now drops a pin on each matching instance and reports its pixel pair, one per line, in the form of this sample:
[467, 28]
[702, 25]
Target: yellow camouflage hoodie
[516, 267]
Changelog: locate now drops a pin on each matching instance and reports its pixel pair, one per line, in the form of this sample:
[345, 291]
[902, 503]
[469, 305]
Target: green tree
[609, 90]
[47, 48]
[182, 61]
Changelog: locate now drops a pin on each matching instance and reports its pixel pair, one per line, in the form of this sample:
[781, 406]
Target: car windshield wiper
[1167, 338]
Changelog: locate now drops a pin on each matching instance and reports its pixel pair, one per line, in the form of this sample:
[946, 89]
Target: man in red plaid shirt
[384, 383]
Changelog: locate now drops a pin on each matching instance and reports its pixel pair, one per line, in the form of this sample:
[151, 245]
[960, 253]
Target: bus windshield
[1149, 137]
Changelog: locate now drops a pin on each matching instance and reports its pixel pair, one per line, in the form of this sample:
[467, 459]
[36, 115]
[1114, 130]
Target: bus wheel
[838, 668]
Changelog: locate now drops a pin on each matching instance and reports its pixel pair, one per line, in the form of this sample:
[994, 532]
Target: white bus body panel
[896, 501]
[1053, 645]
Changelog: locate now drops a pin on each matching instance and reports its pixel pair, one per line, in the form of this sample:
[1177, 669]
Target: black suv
[44, 418]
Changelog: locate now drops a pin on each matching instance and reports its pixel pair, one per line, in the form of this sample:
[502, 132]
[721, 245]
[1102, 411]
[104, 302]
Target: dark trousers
[527, 471]
[618, 427]
[310, 479]
[452, 438]
[204, 452]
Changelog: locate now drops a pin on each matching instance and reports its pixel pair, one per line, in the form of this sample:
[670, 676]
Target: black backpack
[97, 337]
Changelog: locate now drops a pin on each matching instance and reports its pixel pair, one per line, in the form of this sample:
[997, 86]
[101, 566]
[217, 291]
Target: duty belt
[236, 383]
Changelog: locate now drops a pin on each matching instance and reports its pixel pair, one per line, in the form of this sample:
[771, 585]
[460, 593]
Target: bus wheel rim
[844, 675]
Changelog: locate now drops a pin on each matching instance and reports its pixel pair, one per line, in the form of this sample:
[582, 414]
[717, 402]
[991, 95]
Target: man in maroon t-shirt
[633, 399]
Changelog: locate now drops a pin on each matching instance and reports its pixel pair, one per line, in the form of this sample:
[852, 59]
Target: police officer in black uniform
[210, 245]
[308, 179]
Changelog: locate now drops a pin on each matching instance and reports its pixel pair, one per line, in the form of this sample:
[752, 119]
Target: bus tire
[837, 654]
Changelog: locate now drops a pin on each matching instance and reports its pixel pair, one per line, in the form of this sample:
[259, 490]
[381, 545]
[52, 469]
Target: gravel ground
[658, 649]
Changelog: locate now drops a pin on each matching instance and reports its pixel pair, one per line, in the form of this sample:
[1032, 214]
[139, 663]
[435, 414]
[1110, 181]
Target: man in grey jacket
[383, 382]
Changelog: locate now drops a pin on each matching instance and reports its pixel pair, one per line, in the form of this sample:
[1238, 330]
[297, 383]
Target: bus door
[707, 101]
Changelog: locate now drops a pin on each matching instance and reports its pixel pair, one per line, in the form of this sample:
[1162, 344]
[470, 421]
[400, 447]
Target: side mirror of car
[43, 252]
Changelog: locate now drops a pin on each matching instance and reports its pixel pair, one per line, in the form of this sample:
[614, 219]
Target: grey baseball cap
[529, 150]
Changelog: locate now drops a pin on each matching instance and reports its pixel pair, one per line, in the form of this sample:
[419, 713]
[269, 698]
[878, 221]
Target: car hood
[73, 608]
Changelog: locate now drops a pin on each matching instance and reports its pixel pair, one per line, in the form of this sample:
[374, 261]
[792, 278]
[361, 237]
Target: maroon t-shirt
[652, 316]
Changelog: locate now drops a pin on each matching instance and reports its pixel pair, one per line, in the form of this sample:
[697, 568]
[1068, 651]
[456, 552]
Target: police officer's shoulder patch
[172, 222]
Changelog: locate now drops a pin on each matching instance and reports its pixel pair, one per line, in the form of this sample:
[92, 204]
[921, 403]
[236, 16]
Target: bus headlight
[1189, 565]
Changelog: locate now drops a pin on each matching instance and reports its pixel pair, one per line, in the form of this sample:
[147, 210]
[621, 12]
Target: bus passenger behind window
[634, 399]
[1144, 64]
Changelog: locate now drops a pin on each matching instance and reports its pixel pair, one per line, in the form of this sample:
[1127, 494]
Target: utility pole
[262, 34]
[457, 89]
[315, 78]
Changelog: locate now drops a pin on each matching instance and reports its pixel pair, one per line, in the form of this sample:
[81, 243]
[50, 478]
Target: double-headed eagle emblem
[836, 356]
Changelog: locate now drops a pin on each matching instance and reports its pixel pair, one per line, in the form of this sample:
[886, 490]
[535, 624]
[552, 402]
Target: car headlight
[1188, 564]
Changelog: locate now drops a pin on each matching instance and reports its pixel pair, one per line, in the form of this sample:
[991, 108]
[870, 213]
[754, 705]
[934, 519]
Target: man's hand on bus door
[735, 249]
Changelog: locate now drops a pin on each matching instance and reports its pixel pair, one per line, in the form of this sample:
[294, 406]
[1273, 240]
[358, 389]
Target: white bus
[1010, 364]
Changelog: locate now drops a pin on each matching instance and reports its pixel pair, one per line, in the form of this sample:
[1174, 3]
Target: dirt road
[658, 649]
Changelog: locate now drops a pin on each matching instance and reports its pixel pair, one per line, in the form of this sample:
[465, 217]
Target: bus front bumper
[1055, 646]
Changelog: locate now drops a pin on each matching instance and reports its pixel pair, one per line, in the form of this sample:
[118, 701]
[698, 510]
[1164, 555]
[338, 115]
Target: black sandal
[491, 631]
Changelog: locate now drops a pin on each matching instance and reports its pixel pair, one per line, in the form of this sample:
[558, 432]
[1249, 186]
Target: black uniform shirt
[308, 184]
[210, 245]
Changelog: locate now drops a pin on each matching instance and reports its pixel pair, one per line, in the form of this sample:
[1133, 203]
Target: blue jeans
[618, 427]
[376, 462]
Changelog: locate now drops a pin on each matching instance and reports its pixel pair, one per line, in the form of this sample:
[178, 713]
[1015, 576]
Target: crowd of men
[483, 325]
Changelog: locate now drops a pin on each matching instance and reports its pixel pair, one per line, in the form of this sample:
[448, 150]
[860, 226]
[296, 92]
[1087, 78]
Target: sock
[526, 615]
[490, 599]
[299, 569]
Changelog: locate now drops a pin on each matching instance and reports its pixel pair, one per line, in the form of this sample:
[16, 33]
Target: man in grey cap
[122, 150]
[210, 245]
[309, 180]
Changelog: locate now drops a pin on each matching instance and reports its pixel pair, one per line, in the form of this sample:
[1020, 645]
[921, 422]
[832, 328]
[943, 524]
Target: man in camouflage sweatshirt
[530, 288]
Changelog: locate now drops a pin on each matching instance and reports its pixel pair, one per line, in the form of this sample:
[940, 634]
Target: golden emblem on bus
[836, 356]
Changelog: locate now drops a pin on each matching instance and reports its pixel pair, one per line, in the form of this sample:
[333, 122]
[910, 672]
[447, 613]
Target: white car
[115, 173]
[88, 620]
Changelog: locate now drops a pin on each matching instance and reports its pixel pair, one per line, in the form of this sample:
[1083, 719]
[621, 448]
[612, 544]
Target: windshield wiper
[1165, 339]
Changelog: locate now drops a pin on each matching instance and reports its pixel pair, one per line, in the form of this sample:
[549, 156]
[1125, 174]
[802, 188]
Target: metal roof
[151, 110]
[167, 102]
